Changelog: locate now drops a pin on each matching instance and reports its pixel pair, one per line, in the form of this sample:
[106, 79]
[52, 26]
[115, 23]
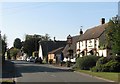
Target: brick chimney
[102, 21]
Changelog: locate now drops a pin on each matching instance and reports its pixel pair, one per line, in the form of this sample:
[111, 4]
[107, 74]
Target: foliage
[31, 43]
[14, 52]
[17, 43]
[4, 47]
[86, 62]
[111, 66]
[101, 61]
[30, 46]
[113, 36]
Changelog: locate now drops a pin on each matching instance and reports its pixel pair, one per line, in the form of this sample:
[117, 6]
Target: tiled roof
[72, 46]
[56, 51]
[94, 32]
[48, 46]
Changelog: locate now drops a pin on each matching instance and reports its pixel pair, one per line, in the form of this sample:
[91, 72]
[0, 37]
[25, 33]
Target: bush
[86, 62]
[101, 60]
[111, 66]
[117, 58]
[94, 69]
[99, 68]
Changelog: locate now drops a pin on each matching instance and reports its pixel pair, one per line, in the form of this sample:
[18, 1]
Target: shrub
[101, 60]
[117, 58]
[111, 66]
[86, 62]
[94, 69]
[99, 68]
[114, 66]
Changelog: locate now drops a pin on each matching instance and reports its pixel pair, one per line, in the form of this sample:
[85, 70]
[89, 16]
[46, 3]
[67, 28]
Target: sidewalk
[8, 71]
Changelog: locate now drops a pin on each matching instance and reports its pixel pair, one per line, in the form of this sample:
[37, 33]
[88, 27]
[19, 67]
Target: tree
[28, 46]
[4, 44]
[31, 43]
[113, 35]
[17, 43]
[46, 37]
[14, 52]
[3, 40]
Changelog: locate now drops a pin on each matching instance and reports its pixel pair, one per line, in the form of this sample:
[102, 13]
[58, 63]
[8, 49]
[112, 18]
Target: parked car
[38, 60]
[30, 59]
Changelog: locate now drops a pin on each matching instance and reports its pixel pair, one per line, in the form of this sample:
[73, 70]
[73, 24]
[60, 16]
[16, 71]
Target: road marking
[45, 72]
[53, 75]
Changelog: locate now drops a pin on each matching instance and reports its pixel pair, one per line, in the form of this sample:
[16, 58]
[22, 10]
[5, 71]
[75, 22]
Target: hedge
[111, 66]
[86, 62]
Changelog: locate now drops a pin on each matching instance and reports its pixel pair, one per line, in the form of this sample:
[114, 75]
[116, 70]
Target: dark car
[38, 60]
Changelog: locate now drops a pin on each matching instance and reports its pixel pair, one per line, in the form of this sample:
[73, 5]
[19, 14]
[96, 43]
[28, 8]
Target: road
[30, 72]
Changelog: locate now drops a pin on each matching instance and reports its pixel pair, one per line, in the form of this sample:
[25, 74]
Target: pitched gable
[93, 33]
[57, 51]
[48, 46]
[73, 45]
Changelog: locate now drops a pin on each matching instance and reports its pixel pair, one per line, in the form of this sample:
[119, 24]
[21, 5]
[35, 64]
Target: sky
[58, 19]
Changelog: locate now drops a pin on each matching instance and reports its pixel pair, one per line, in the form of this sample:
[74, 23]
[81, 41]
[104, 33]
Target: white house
[47, 46]
[92, 42]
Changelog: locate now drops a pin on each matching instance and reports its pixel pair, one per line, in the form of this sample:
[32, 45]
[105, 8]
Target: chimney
[54, 39]
[81, 32]
[102, 21]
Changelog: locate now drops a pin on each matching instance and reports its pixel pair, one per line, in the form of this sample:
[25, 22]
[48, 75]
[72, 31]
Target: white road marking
[53, 75]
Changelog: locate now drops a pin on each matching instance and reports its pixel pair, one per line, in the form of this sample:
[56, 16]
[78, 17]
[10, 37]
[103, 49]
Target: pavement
[58, 66]
[8, 72]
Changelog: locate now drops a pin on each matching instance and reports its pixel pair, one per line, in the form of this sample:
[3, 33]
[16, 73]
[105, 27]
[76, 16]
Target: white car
[32, 59]
[28, 59]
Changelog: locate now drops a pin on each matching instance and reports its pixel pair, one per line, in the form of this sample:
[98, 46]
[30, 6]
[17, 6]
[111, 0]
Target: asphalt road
[30, 72]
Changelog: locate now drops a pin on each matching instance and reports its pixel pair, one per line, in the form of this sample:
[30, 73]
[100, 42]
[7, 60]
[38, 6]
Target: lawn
[106, 75]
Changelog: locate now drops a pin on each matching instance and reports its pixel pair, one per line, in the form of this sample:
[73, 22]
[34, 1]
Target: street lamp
[69, 42]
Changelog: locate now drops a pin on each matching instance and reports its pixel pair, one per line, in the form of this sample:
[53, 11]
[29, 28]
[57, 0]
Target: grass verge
[106, 75]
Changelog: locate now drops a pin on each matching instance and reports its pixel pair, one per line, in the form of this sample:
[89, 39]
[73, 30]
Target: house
[92, 42]
[71, 48]
[47, 46]
[55, 55]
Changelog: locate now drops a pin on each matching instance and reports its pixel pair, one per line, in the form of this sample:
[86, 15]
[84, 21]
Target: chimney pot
[103, 21]
[54, 39]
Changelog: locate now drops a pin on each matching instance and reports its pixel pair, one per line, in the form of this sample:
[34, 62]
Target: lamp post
[69, 42]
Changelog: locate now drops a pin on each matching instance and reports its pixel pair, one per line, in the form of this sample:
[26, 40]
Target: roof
[94, 32]
[57, 51]
[72, 46]
[48, 46]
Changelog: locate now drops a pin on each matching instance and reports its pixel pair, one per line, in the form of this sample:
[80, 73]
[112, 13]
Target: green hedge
[86, 62]
[111, 66]
[101, 61]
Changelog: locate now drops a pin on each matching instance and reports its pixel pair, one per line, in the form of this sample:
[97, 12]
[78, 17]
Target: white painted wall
[103, 52]
[40, 52]
[77, 47]
[82, 45]
[97, 43]
[68, 59]
[90, 44]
